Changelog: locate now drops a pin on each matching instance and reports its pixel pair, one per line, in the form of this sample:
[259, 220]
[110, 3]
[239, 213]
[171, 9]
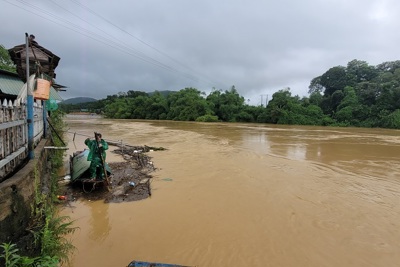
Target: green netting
[51, 105]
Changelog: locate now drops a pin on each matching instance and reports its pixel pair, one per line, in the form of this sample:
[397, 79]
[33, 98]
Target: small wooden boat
[79, 168]
[152, 264]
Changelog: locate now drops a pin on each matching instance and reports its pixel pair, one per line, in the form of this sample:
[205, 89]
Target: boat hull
[79, 166]
[152, 264]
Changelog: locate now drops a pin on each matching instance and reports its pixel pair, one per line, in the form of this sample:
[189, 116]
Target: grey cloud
[258, 46]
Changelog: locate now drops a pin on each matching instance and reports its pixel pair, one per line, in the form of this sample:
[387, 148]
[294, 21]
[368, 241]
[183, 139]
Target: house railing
[14, 134]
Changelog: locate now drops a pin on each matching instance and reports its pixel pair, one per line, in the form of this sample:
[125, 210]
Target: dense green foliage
[5, 60]
[13, 259]
[358, 95]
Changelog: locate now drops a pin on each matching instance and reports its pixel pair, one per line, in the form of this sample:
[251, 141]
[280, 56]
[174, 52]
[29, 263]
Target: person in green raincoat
[97, 155]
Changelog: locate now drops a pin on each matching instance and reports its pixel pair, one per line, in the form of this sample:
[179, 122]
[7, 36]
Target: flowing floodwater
[247, 195]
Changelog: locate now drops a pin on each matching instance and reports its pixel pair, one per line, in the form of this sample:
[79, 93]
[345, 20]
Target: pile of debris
[130, 179]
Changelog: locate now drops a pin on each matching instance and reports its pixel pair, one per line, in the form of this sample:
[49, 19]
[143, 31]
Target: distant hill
[78, 100]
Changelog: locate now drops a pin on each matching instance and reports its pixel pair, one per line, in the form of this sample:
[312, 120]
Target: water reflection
[366, 151]
[345, 148]
[99, 221]
[296, 152]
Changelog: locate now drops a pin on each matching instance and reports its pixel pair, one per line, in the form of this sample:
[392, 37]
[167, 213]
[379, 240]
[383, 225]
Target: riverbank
[130, 179]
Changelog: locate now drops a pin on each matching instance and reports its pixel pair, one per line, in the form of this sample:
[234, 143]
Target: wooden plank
[12, 156]
[11, 124]
[144, 181]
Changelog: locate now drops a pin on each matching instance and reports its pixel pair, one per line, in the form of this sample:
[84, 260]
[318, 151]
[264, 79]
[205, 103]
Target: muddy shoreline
[130, 179]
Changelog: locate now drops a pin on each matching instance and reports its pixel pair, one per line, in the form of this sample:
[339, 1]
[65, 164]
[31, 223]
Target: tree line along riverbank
[359, 95]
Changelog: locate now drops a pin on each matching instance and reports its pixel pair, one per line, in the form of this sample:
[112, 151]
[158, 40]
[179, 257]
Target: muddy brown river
[247, 195]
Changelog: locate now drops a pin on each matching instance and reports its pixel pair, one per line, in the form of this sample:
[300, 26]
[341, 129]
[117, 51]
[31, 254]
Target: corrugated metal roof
[11, 84]
[54, 95]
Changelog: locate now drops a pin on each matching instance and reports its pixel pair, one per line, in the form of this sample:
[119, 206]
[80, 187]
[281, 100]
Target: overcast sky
[259, 46]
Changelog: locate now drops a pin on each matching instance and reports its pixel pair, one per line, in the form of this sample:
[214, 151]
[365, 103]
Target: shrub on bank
[207, 118]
